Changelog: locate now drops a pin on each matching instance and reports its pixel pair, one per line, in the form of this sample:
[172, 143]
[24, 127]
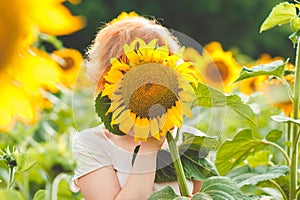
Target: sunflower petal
[117, 112]
[123, 116]
[126, 126]
[154, 129]
[141, 129]
[186, 110]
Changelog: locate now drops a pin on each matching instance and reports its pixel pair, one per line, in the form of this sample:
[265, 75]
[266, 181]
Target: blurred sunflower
[218, 68]
[275, 89]
[70, 61]
[25, 70]
[254, 84]
[151, 92]
[123, 15]
[192, 55]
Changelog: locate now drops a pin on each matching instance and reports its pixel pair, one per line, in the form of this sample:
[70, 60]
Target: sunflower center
[149, 90]
[217, 71]
[151, 100]
[68, 63]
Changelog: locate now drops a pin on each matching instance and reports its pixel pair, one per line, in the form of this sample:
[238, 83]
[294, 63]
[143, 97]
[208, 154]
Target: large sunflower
[219, 68]
[150, 93]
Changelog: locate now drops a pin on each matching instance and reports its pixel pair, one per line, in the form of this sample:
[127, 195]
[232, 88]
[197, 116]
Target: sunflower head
[149, 94]
[219, 68]
[69, 61]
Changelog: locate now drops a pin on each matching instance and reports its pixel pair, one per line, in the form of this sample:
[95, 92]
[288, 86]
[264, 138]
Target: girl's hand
[152, 145]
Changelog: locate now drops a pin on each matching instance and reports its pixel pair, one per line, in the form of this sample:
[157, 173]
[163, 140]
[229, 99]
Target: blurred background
[45, 98]
[234, 23]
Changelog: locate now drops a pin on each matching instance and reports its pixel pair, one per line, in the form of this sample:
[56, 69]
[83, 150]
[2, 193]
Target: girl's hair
[111, 39]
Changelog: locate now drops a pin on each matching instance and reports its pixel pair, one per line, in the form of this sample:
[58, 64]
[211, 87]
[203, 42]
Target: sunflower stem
[183, 187]
[294, 132]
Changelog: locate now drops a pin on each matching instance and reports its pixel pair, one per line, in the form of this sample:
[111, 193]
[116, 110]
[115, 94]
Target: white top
[93, 150]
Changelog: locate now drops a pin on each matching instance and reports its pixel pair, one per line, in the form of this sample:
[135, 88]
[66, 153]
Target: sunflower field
[242, 141]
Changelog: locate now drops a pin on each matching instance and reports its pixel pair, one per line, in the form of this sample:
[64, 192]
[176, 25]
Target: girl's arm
[103, 183]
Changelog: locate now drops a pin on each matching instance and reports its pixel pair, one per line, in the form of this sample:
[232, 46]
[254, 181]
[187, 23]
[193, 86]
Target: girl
[104, 169]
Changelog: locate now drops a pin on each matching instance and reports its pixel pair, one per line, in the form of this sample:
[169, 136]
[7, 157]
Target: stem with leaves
[294, 132]
[183, 187]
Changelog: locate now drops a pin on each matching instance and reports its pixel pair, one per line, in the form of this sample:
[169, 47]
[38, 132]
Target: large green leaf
[10, 194]
[275, 68]
[101, 107]
[280, 14]
[233, 152]
[166, 193]
[222, 188]
[193, 150]
[251, 176]
[210, 97]
[284, 119]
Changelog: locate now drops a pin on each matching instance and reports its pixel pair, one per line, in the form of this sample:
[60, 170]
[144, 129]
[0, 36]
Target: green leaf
[210, 97]
[235, 103]
[222, 188]
[24, 163]
[193, 151]
[166, 193]
[260, 158]
[233, 152]
[280, 14]
[40, 195]
[101, 107]
[201, 196]
[275, 68]
[274, 135]
[251, 176]
[10, 194]
[284, 119]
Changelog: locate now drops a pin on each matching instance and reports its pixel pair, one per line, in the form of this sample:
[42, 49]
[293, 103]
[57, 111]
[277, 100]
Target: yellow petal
[108, 90]
[125, 126]
[113, 76]
[186, 110]
[113, 106]
[162, 121]
[141, 128]
[123, 116]
[116, 113]
[154, 129]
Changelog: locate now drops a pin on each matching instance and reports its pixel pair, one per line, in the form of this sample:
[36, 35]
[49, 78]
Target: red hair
[111, 39]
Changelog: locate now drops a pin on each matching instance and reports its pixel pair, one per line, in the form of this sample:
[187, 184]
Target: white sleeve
[91, 152]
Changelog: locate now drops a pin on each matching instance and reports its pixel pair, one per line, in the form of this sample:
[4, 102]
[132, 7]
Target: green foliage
[102, 105]
[275, 68]
[193, 151]
[166, 193]
[10, 194]
[233, 152]
[40, 195]
[221, 188]
[284, 119]
[274, 135]
[246, 175]
[280, 14]
[210, 97]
